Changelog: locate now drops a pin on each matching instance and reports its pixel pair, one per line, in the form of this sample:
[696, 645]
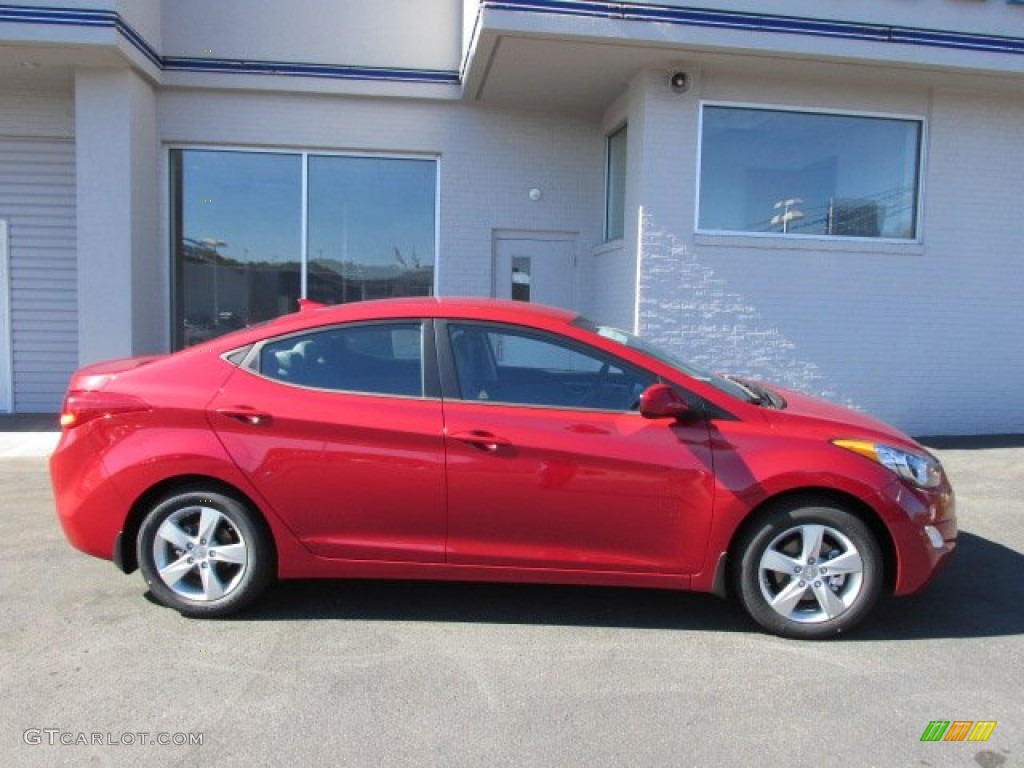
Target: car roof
[445, 304]
[441, 306]
[313, 314]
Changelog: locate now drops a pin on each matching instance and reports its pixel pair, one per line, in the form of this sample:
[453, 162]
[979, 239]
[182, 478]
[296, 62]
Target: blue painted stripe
[757, 22]
[112, 20]
[938, 39]
[240, 66]
[760, 22]
[20, 13]
[81, 18]
[140, 43]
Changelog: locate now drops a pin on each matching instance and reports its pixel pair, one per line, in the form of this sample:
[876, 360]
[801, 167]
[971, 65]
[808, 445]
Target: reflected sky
[369, 210]
[237, 222]
[251, 201]
[774, 171]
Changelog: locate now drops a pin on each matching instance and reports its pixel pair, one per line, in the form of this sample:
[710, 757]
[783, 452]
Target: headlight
[919, 469]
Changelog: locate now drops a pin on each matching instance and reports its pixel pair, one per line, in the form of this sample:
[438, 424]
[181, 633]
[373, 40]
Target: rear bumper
[89, 507]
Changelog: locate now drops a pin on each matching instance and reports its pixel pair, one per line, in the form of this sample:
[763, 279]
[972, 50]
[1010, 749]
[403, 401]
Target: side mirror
[660, 401]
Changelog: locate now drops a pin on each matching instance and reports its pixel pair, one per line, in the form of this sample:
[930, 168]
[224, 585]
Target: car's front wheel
[204, 553]
[808, 569]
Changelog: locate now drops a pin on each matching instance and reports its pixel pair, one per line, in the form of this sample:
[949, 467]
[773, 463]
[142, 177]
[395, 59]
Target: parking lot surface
[390, 673]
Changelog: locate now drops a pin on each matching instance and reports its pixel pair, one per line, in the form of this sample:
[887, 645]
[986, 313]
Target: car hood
[806, 412]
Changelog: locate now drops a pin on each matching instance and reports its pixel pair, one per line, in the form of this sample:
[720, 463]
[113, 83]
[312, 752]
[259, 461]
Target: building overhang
[579, 56]
[43, 46]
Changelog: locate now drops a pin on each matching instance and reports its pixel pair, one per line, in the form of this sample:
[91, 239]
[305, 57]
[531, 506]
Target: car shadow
[978, 594]
[530, 604]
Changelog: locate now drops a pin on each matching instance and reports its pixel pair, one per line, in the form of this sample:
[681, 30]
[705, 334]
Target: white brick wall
[610, 285]
[489, 160]
[974, 235]
[924, 336]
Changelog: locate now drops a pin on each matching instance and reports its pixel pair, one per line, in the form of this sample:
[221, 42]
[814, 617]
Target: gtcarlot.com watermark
[58, 737]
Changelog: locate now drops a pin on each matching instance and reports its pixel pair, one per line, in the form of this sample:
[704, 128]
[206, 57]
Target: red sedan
[473, 439]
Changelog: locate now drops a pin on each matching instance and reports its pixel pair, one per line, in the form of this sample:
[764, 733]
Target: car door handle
[481, 439]
[246, 415]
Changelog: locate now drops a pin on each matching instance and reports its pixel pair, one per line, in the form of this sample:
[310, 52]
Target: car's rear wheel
[204, 553]
[809, 569]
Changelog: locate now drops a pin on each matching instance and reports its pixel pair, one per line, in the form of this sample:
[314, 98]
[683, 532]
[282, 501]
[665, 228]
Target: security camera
[680, 82]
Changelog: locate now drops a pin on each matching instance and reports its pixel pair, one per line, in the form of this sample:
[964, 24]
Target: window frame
[449, 378]
[885, 243]
[430, 380]
[174, 279]
[622, 130]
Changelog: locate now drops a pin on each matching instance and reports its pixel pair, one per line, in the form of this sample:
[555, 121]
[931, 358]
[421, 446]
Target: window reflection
[383, 359]
[814, 174]
[371, 228]
[237, 239]
[495, 365]
[521, 278]
[237, 234]
[615, 186]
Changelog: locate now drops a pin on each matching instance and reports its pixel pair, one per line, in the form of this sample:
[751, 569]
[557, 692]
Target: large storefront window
[371, 228]
[803, 173]
[237, 224]
[241, 255]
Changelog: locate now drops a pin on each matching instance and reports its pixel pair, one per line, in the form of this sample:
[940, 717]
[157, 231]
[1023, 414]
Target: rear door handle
[246, 415]
[481, 439]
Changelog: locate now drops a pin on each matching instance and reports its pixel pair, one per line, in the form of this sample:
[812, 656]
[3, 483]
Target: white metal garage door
[37, 199]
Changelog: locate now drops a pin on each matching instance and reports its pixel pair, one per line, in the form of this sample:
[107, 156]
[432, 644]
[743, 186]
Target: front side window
[510, 366]
[242, 256]
[802, 173]
[627, 339]
[379, 359]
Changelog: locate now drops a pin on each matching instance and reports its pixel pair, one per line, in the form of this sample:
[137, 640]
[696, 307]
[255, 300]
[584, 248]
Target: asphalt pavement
[430, 674]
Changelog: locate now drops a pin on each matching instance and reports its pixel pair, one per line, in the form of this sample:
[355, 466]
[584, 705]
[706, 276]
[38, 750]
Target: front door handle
[482, 439]
[246, 415]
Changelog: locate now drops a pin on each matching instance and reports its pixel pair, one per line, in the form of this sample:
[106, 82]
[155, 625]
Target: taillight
[82, 406]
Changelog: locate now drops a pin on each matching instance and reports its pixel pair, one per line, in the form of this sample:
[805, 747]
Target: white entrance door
[6, 396]
[536, 267]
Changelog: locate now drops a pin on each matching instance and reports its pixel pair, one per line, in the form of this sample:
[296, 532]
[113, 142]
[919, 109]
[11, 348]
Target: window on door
[241, 254]
[522, 367]
[521, 278]
[377, 358]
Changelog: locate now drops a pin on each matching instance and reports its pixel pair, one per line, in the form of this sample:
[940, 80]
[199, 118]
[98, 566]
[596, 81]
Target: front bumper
[924, 529]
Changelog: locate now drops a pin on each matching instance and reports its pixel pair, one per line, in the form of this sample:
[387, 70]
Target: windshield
[627, 339]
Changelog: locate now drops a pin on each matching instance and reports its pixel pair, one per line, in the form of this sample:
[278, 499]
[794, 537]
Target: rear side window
[377, 358]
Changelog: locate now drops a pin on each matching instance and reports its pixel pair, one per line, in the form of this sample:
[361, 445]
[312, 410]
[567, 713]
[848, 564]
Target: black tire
[786, 583]
[206, 573]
